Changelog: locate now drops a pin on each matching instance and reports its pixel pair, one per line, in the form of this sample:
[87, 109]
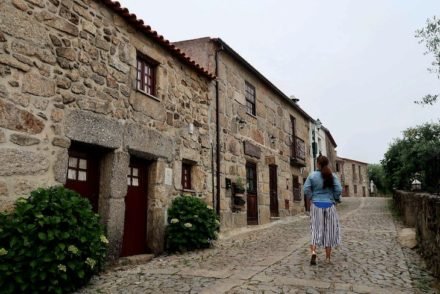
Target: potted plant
[239, 187]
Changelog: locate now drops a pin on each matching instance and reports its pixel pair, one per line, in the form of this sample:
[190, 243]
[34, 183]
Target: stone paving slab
[275, 259]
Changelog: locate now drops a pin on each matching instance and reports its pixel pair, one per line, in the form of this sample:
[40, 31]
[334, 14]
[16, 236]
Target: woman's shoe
[313, 259]
[328, 261]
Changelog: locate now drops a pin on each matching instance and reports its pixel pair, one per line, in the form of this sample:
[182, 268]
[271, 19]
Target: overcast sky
[355, 65]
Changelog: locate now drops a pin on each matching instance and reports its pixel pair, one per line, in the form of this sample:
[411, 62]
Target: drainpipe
[217, 115]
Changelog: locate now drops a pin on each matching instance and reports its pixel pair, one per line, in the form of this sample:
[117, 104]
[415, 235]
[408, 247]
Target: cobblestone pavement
[275, 259]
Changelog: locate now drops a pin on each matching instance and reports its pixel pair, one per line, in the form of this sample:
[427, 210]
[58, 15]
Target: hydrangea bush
[191, 224]
[52, 243]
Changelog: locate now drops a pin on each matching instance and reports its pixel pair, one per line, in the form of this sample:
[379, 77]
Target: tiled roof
[132, 19]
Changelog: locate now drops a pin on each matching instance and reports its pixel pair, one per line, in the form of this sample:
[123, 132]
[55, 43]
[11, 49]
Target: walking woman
[322, 190]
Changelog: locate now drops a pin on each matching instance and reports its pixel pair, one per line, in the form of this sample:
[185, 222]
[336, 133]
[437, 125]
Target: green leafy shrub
[52, 243]
[191, 224]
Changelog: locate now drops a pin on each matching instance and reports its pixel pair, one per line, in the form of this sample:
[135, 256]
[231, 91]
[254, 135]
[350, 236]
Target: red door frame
[136, 206]
[252, 196]
[273, 191]
[85, 160]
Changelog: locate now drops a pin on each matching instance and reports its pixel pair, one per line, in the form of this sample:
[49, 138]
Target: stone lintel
[147, 143]
[91, 128]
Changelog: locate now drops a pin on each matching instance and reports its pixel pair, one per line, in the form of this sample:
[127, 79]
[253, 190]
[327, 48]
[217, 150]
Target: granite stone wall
[268, 134]
[351, 178]
[67, 74]
[422, 211]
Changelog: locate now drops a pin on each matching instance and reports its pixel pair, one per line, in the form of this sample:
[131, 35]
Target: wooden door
[252, 201]
[83, 173]
[135, 225]
[273, 190]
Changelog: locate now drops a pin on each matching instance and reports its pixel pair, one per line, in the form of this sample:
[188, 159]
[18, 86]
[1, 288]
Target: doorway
[273, 188]
[136, 204]
[252, 201]
[83, 172]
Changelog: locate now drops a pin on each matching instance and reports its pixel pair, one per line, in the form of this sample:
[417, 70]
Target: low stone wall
[422, 211]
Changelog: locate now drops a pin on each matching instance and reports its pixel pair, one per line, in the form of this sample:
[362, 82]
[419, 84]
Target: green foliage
[417, 153]
[191, 224]
[376, 174]
[239, 185]
[51, 243]
[430, 35]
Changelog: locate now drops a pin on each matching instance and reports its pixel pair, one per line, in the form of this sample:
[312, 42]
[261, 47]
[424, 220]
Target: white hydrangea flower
[209, 207]
[62, 267]
[73, 249]
[3, 251]
[90, 262]
[103, 239]
[188, 225]
[174, 221]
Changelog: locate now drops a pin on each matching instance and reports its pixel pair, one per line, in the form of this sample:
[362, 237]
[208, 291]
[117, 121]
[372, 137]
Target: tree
[417, 154]
[376, 174]
[430, 35]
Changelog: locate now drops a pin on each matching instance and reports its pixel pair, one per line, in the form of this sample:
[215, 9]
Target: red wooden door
[252, 201]
[83, 173]
[273, 188]
[135, 225]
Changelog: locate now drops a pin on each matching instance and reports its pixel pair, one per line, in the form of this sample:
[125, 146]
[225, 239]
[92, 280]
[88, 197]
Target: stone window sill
[148, 95]
[251, 115]
[189, 191]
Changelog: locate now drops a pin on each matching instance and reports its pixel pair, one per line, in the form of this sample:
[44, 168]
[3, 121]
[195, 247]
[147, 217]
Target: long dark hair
[326, 172]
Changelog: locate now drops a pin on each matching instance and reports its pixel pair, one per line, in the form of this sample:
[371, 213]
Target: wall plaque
[168, 176]
[251, 149]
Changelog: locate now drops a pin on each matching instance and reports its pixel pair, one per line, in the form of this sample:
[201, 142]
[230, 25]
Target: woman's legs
[328, 252]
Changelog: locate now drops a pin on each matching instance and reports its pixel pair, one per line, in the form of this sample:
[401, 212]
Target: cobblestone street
[275, 259]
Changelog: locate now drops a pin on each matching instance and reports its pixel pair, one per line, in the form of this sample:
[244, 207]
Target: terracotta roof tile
[132, 19]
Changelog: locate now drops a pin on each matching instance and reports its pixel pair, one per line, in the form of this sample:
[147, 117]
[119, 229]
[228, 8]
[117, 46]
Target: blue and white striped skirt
[324, 226]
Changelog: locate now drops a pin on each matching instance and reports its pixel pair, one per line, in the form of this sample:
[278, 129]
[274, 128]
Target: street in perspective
[275, 259]
[256, 147]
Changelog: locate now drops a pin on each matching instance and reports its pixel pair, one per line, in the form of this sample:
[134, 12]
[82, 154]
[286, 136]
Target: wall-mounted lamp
[240, 121]
[272, 139]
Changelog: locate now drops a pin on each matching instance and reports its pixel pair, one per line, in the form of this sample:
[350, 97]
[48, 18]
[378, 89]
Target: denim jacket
[313, 188]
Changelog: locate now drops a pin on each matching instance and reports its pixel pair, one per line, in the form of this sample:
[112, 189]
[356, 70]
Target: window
[337, 167]
[364, 192]
[186, 176]
[360, 174]
[250, 98]
[347, 190]
[133, 177]
[355, 188]
[77, 169]
[146, 75]
[353, 167]
[251, 178]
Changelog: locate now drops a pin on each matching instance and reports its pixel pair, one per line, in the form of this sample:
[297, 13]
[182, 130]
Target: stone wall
[422, 211]
[350, 179]
[237, 127]
[67, 72]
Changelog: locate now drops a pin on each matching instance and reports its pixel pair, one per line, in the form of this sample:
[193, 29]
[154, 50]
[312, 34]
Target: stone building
[325, 144]
[353, 175]
[93, 99]
[330, 145]
[263, 138]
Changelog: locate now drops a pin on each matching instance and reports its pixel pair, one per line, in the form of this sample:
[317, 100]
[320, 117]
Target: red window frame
[249, 91]
[146, 75]
[186, 176]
